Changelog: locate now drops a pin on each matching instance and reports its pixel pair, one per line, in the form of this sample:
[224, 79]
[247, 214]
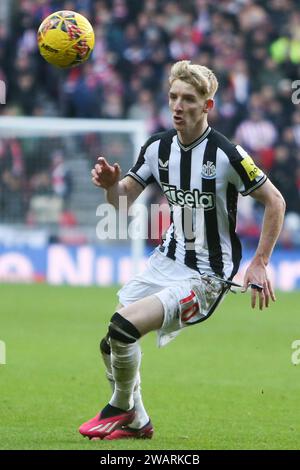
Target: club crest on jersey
[208, 170]
[193, 198]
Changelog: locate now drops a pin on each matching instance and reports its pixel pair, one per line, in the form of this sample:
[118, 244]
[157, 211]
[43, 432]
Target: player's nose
[177, 106]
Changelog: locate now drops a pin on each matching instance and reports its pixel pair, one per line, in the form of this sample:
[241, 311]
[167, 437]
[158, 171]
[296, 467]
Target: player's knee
[104, 345]
[123, 330]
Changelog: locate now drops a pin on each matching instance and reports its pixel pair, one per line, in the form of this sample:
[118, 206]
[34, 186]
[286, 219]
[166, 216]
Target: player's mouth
[178, 119]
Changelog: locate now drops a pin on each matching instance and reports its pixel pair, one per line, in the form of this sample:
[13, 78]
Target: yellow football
[65, 39]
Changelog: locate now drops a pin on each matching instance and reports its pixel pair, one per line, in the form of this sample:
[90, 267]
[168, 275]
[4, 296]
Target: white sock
[141, 416]
[125, 363]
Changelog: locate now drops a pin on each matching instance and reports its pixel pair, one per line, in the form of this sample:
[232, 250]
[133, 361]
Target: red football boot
[102, 425]
[146, 432]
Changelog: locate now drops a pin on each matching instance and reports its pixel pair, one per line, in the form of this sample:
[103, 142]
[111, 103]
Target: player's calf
[125, 360]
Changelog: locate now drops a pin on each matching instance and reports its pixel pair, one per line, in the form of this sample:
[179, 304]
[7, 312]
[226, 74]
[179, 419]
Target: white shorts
[187, 296]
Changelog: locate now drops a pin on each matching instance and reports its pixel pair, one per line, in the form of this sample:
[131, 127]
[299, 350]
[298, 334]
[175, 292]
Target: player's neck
[189, 136]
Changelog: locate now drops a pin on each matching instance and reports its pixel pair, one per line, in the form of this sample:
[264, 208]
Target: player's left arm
[256, 273]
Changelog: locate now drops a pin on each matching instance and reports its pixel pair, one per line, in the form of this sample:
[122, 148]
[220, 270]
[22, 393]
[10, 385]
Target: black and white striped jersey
[201, 182]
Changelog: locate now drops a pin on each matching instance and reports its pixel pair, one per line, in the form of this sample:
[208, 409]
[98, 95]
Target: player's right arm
[107, 176]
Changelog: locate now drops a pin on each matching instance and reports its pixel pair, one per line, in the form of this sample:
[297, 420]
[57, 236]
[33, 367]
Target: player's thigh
[146, 314]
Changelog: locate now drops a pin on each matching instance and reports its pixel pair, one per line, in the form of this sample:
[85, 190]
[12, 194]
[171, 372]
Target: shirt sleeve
[245, 175]
[141, 171]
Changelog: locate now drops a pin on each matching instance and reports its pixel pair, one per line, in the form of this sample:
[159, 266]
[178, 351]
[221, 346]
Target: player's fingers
[117, 168]
[253, 297]
[262, 299]
[272, 294]
[99, 169]
[102, 162]
[96, 179]
[96, 182]
[104, 169]
[94, 173]
[245, 285]
[267, 294]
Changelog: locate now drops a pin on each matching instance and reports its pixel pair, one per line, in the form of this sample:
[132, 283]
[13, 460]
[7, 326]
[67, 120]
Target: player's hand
[256, 278]
[105, 175]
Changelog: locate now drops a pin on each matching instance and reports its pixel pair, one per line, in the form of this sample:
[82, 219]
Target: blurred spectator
[241, 82]
[144, 109]
[256, 132]
[12, 194]
[60, 177]
[283, 174]
[252, 16]
[50, 192]
[296, 127]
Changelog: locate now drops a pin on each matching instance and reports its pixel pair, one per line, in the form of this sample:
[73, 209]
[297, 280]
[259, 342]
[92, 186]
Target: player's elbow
[277, 205]
[279, 202]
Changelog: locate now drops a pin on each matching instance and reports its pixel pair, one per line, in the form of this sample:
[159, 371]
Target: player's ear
[209, 104]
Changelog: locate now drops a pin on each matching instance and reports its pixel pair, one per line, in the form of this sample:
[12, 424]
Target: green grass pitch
[227, 383]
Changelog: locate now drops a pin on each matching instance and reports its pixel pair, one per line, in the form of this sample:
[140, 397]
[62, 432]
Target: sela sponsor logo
[208, 170]
[192, 198]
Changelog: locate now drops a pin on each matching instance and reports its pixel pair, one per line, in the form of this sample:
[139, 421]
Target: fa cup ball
[65, 39]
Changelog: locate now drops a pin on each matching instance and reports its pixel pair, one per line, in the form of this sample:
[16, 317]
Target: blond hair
[202, 78]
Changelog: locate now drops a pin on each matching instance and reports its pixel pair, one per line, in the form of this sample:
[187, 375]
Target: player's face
[188, 108]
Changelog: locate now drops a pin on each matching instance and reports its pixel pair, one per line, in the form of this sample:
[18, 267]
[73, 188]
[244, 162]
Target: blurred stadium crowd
[253, 47]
